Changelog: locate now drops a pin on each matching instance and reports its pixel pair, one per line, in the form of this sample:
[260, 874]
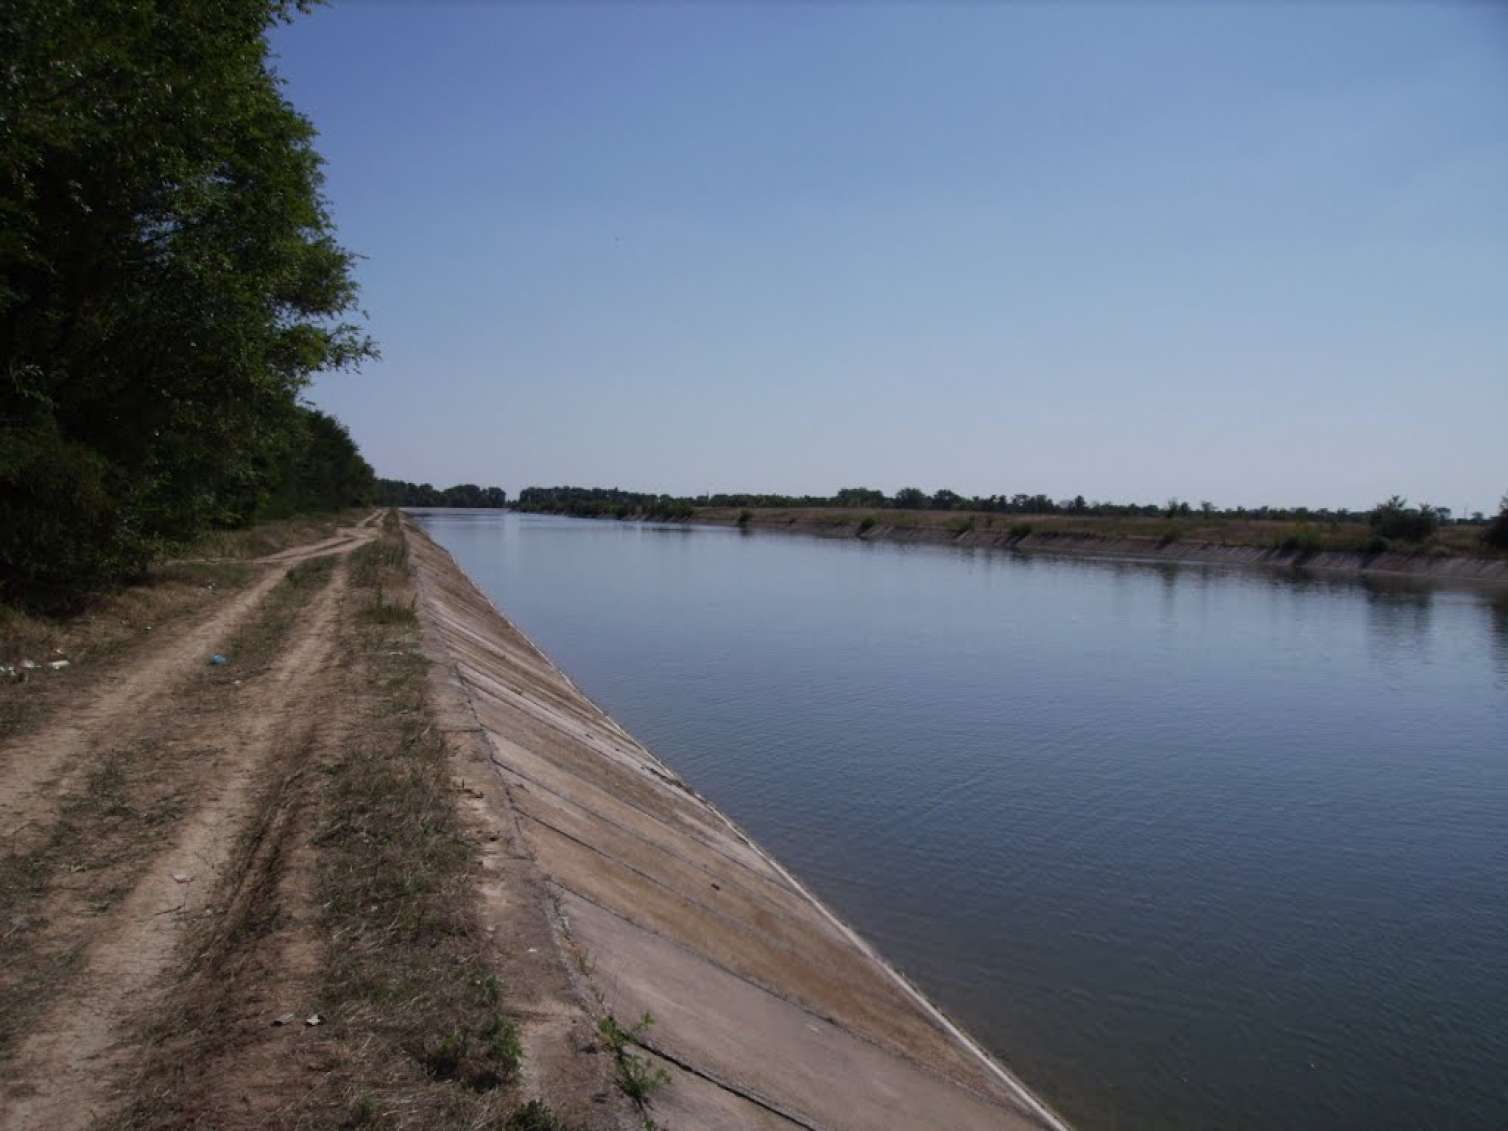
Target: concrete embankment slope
[768, 1012]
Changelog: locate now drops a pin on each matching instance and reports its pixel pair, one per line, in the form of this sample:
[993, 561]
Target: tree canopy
[169, 283]
[1496, 533]
[1394, 518]
[401, 493]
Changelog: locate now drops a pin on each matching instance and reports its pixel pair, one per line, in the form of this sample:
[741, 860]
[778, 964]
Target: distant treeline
[594, 501]
[1393, 520]
[400, 493]
[600, 502]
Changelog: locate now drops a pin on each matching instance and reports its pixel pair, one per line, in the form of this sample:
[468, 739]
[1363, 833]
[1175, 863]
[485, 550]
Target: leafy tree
[945, 500]
[911, 498]
[398, 493]
[1496, 533]
[169, 279]
[1396, 519]
[323, 470]
[859, 497]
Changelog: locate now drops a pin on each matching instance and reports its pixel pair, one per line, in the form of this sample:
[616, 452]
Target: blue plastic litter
[217, 659]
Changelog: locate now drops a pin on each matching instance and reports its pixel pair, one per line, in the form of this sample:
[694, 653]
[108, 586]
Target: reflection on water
[1498, 618]
[1189, 846]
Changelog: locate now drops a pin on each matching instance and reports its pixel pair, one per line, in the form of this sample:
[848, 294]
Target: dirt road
[122, 813]
[251, 894]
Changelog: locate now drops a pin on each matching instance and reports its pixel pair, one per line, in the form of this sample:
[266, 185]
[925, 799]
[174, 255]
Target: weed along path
[388, 867]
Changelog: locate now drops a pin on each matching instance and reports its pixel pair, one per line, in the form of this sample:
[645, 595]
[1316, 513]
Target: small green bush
[1019, 530]
[65, 517]
[503, 1049]
[363, 1111]
[383, 611]
[1376, 544]
[638, 1079]
[312, 572]
[534, 1116]
[744, 517]
[483, 1063]
[1395, 519]
[866, 524]
[1496, 533]
[1302, 541]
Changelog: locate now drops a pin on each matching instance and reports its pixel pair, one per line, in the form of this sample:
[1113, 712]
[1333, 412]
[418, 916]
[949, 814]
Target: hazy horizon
[1247, 254]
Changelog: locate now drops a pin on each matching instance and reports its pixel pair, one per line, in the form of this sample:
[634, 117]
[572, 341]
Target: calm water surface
[1186, 847]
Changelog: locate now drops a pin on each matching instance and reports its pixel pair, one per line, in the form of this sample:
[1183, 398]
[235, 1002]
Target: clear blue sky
[1249, 254]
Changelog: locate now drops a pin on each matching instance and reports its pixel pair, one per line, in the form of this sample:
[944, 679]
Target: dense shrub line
[400, 493]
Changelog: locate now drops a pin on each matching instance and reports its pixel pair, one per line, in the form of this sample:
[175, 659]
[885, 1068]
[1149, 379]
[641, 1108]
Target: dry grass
[101, 624]
[111, 825]
[100, 627]
[380, 570]
[106, 629]
[211, 1019]
[256, 643]
[107, 623]
[104, 833]
[228, 959]
[271, 537]
[407, 983]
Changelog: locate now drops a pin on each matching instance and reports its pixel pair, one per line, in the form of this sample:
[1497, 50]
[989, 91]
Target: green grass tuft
[638, 1079]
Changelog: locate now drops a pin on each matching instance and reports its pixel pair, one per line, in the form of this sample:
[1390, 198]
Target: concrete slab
[760, 1046]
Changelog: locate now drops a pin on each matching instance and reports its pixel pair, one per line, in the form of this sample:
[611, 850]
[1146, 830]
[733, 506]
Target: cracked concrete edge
[454, 694]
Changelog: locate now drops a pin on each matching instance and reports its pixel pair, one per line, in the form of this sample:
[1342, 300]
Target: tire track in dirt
[64, 1075]
[345, 538]
[334, 545]
[209, 1056]
[40, 766]
[41, 763]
